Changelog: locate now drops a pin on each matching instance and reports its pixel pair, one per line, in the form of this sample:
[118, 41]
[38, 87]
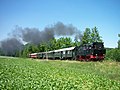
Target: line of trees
[88, 36]
[53, 44]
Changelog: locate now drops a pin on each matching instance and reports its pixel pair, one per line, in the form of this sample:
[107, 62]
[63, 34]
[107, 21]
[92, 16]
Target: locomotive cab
[98, 48]
[97, 51]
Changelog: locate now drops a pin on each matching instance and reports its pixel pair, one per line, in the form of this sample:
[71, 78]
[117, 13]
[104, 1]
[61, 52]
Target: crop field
[34, 74]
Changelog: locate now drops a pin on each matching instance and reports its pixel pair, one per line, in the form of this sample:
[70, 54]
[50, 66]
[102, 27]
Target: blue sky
[104, 14]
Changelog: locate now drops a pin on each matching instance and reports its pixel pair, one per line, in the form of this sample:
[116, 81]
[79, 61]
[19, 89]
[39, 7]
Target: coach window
[63, 52]
[68, 52]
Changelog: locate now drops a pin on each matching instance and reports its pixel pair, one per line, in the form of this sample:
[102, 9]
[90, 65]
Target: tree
[113, 54]
[76, 43]
[67, 42]
[34, 48]
[95, 37]
[52, 44]
[64, 42]
[1, 52]
[90, 36]
[86, 36]
[29, 48]
[42, 47]
[119, 41]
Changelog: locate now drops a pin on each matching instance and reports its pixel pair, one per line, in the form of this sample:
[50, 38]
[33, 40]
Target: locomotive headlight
[96, 54]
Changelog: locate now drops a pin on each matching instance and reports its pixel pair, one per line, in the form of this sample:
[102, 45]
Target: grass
[28, 74]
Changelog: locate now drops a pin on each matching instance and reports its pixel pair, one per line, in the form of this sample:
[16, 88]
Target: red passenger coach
[33, 55]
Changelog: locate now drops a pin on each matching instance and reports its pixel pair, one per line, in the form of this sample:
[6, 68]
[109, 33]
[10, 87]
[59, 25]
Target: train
[87, 52]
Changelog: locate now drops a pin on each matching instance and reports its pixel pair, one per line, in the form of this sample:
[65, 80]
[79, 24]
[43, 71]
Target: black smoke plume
[20, 36]
[36, 36]
[33, 35]
[9, 46]
[61, 29]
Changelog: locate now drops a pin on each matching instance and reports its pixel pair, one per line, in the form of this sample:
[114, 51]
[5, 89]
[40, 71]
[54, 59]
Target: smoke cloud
[10, 45]
[33, 35]
[61, 29]
[36, 36]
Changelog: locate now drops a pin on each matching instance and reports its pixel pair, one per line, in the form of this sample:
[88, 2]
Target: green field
[33, 74]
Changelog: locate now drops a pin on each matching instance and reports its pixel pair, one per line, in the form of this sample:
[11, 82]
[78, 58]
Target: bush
[113, 54]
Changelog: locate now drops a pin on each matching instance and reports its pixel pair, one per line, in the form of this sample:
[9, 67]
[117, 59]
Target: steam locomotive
[87, 52]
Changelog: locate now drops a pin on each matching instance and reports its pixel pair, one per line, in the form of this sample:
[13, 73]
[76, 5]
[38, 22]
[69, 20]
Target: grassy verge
[18, 73]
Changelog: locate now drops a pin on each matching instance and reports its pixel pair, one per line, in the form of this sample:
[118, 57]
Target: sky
[104, 14]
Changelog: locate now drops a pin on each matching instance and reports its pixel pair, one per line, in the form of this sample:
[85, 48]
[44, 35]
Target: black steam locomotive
[87, 52]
